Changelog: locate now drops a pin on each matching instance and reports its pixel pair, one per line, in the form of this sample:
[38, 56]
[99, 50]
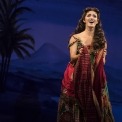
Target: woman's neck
[89, 32]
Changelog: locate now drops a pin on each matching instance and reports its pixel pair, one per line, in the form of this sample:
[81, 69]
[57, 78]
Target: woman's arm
[73, 50]
[105, 53]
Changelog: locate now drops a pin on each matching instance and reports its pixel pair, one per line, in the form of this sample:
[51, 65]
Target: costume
[84, 94]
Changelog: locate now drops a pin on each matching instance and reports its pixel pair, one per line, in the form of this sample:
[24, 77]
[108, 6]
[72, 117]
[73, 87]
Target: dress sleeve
[70, 44]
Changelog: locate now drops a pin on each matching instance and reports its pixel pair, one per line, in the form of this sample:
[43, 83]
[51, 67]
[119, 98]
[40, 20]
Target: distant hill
[45, 54]
[48, 53]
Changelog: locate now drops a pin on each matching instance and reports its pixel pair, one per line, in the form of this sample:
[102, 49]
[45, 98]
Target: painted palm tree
[13, 37]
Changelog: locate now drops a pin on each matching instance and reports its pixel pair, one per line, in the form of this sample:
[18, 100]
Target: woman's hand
[105, 52]
[104, 55]
[80, 50]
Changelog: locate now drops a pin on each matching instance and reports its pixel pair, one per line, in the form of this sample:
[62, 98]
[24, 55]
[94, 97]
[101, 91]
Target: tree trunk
[4, 72]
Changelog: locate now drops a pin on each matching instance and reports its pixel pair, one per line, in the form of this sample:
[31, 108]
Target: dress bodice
[79, 45]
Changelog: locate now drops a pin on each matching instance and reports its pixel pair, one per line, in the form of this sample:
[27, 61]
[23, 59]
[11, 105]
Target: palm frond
[15, 22]
[18, 53]
[19, 11]
[23, 50]
[24, 44]
[16, 3]
[25, 37]
[23, 31]
[2, 13]
[3, 6]
[2, 16]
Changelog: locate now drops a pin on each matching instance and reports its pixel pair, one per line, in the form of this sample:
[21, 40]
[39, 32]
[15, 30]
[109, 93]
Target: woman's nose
[91, 18]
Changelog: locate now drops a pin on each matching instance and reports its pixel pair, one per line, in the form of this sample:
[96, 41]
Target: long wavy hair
[99, 38]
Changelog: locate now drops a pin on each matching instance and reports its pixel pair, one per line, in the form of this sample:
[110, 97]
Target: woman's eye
[94, 16]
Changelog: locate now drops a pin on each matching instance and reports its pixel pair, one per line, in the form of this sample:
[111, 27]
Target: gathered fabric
[84, 93]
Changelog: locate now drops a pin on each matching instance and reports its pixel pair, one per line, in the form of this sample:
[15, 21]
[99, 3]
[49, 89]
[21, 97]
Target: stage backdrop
[33, 84]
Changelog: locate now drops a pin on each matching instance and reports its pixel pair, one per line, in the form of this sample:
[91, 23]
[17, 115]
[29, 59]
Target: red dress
[84, 94]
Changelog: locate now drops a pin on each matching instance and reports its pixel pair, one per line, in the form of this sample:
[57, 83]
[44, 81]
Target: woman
[84, 94]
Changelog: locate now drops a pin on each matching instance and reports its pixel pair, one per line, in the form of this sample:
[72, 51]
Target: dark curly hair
[99, 38]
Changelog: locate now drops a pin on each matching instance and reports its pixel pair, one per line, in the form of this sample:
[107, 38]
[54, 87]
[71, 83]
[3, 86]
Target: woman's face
[91, 19]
